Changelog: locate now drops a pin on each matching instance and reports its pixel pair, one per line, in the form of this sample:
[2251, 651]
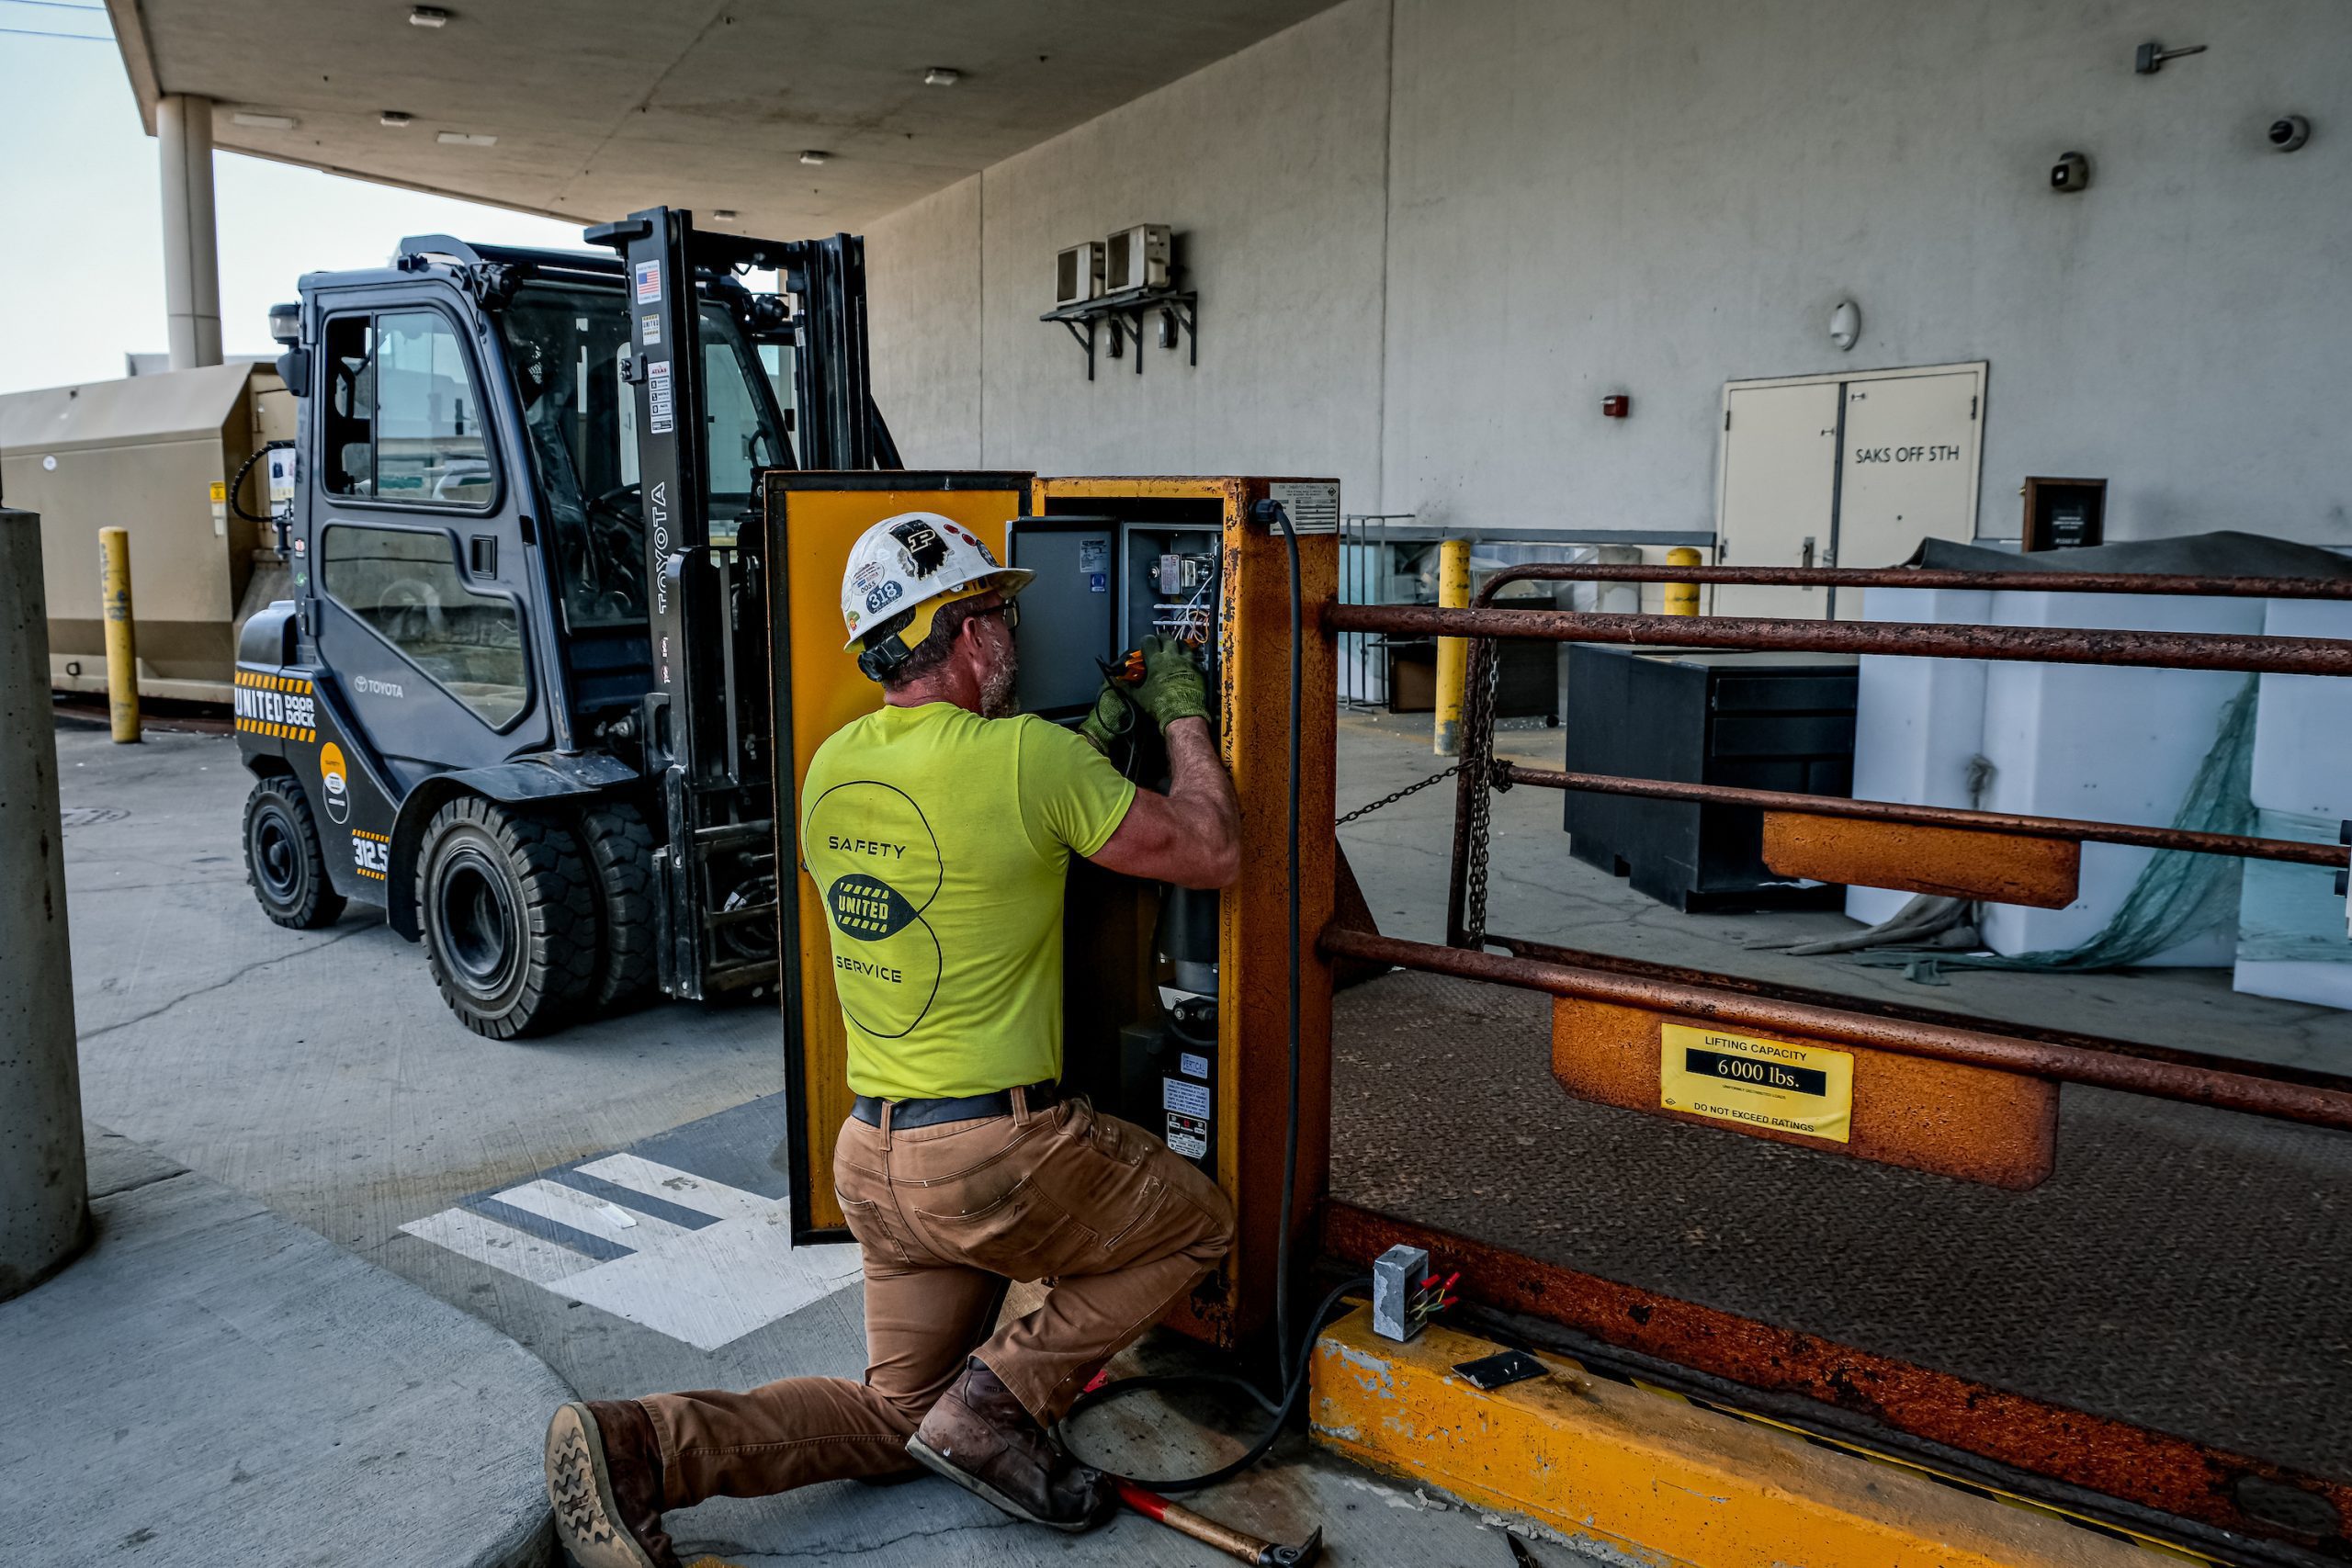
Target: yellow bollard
[1452, 653]
[1683, 598]
[122, 639]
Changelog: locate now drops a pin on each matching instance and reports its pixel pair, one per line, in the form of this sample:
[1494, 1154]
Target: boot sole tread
[580, 1489]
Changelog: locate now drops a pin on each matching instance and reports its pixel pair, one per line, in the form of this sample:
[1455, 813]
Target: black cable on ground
[1292, 1361]
[1280, 1410]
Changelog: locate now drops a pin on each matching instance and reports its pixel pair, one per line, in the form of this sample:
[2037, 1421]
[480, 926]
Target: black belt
[966, 1107]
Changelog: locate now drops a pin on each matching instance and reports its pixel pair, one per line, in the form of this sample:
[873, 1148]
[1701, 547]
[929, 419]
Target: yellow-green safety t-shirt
[939, 841]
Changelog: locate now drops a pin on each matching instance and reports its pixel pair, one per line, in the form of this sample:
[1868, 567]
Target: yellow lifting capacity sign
[1755, 1082]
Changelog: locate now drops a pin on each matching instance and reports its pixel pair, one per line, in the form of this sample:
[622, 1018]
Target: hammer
[1208, 1532]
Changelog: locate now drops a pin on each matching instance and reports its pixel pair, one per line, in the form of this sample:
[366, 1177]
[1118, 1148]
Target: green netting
[2179, 895]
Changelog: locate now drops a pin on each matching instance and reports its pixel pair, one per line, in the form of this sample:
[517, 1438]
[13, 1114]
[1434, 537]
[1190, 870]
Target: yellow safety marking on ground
[1661, 1478]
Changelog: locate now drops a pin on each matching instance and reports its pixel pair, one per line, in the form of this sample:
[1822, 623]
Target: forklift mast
[706, 609]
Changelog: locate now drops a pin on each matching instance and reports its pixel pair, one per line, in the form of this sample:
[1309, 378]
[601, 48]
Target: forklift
[520, 697]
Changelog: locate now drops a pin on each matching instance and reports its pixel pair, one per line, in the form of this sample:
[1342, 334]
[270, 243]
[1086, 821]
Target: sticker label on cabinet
[1756, 1082]
[1188, 1135]
[1188, 1099]
[1313, 508]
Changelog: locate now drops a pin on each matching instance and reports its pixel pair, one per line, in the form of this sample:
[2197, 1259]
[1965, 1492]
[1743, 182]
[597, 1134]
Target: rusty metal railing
[2239, 844]
[2031, 645]
[2075, 1455]
[1765, 1006]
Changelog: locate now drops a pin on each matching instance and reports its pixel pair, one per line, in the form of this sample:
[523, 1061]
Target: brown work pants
[1117, 1221]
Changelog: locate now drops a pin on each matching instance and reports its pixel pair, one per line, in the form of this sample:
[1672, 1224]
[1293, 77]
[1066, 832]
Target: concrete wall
[1273, 167]
[1429, 236]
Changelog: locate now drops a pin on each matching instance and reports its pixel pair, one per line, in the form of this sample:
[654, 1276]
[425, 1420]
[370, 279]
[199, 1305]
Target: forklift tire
[285, 863]
[620, 852]
[508, 917]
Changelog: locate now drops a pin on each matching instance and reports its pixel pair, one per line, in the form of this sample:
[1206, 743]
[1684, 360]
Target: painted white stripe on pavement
[485, 1240]
[570, 1206]
[706, 1287]
[683, 1188]
[714, 1285]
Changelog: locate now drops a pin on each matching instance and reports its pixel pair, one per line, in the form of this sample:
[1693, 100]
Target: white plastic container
[1919, 723]
[2114, 745]
[2291, 941]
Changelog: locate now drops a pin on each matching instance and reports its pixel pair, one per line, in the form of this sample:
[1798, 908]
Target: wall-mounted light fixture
[1845, 323]
[813, 157]
[396, 118]
[942, 76]
[428, 17]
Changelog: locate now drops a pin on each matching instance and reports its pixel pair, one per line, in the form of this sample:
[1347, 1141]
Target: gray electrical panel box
[1103, 584]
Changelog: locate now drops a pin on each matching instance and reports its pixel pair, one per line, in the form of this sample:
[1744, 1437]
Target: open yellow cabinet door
[813, 519]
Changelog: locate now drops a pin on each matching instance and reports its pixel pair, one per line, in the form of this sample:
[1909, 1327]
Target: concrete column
[44, 1192]
[191, 247]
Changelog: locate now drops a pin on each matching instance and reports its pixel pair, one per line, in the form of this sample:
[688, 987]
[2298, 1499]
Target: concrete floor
[320, 1072]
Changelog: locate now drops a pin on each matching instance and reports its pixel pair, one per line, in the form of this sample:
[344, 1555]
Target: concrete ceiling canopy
[602, 107]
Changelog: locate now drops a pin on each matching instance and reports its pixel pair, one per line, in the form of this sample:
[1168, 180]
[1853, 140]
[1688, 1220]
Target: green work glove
[1112, 721]
[1171, 687]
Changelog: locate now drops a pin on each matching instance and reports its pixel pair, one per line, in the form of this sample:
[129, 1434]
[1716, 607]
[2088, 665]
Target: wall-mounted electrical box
[1077, 274]
[1138, 258]
[2064, 515]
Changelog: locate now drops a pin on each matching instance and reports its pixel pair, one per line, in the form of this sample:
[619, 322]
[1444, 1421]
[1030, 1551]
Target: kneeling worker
[939, 830]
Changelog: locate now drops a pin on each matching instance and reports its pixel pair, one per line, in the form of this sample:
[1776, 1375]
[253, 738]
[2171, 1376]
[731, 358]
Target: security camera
[2289, 132]
[2071, 172]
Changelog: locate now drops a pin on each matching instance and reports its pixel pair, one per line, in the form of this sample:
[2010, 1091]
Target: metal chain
[1392, 799]
[1481, 677]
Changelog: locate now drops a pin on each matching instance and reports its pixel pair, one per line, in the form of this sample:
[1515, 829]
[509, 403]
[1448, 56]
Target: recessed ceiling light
[428, 17]
[463, 139]
[942, 76]
[265, 122]
[812, 157]
[396, 118]
[723, 214]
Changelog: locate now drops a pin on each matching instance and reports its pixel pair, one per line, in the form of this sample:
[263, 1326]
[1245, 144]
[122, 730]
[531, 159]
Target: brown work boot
[980, 1437]
[605, 1483]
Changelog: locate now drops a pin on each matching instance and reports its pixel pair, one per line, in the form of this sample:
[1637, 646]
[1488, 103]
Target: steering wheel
[609, 502]
[407, 611]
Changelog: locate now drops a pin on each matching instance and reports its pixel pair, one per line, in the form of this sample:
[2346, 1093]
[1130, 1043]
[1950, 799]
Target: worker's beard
[996, 687]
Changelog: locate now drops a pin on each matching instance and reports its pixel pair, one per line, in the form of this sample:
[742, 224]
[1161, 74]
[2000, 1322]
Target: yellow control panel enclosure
[813, 518]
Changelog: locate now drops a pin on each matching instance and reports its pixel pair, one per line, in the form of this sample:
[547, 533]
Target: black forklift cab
[521, 684]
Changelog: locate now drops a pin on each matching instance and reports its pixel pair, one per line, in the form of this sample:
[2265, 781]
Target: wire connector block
[1396, 1276]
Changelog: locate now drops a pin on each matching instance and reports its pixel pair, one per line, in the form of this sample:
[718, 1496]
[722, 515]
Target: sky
[83, 271]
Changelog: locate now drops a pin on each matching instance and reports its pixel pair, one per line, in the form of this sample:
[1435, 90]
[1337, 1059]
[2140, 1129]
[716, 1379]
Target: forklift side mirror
[294, 369]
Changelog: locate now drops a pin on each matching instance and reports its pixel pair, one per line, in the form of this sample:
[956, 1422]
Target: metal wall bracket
[1179, 312]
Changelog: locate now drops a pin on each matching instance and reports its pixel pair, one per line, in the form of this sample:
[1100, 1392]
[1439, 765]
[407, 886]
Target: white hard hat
[918, 561]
